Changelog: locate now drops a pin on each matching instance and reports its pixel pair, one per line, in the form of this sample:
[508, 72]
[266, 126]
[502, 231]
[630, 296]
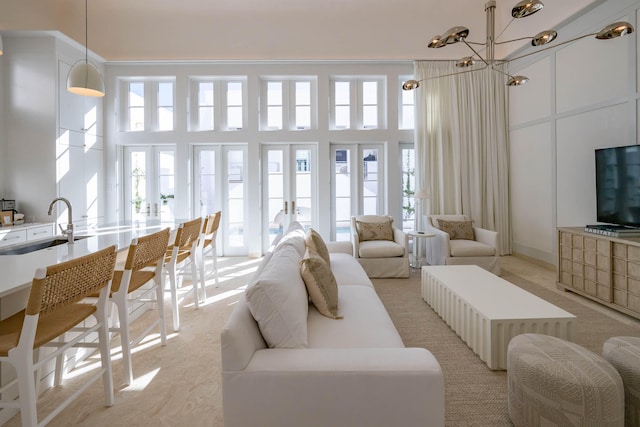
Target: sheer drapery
[461, 145]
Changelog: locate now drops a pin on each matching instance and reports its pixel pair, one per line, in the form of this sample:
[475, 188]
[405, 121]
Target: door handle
[293, 207]
[286, 208]
[148, 209]
[156, 209]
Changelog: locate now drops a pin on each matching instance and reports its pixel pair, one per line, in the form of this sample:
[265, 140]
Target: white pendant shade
[84, 79]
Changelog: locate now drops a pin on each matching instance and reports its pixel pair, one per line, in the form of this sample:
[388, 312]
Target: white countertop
[18, 270]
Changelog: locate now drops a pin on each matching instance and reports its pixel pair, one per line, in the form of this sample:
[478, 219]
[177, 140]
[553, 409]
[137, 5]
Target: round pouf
[553, 382]
[624, 354]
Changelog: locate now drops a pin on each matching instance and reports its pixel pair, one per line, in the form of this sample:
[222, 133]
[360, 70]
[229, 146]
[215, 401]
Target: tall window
[216, 104]
[287, 104]
[357, 103]
[408, 162]
[220, 184]
[357, 184]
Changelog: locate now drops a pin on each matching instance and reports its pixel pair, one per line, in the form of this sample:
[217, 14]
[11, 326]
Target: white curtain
[462, 153]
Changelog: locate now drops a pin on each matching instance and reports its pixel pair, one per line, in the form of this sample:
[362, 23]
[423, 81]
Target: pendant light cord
[86, 32]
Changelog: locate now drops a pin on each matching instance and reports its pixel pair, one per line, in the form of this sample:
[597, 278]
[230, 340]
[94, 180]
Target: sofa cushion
[380, 249]
[316, 244]
[347, 271]
[374, 230]
[278, 300]
[463, 248]
[321, 284]
[365, 322]
[457, 229]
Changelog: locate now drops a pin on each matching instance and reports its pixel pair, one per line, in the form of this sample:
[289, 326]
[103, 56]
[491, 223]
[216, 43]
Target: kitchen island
[18, 270]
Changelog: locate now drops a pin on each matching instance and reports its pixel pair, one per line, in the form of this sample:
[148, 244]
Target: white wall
[580, 97]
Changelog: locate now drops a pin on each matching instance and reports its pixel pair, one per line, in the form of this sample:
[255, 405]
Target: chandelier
[523, 9]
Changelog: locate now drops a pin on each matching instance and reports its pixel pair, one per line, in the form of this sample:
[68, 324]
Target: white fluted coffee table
[486, 311]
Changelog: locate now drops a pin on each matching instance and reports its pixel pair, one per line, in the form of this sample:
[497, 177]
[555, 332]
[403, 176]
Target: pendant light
[84, 79]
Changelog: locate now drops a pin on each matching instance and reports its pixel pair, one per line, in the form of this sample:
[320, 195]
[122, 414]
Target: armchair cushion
[374, 230]
[457, 229]
[380, 249]
[467, 248]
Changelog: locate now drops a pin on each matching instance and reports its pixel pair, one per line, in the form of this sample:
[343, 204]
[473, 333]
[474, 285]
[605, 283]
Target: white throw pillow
[279, 302]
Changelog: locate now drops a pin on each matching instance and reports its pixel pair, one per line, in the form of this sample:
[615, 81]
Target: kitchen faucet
[69, 231]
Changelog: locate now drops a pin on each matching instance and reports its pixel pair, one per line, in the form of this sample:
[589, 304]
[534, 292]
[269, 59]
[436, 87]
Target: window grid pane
[136, 106]
[370, 104]
[165, 106]
[205, 106]
[234, 105]
[274, 105]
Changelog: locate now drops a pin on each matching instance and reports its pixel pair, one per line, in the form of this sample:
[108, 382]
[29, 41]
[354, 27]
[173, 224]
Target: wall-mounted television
[618, 185]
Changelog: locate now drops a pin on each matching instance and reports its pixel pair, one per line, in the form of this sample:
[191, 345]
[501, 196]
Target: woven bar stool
[140, 283]
[54, 308]
[181, 253]
[624, 354]
[207, 243]
[553, 382]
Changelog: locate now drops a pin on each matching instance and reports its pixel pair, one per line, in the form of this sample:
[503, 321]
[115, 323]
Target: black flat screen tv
[618, 185]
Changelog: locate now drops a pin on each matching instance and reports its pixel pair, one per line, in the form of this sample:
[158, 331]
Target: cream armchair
[381, 249]
[482, 251]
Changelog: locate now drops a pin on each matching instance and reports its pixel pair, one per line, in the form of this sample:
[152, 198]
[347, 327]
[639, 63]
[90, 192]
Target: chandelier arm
[476, 52]
[501, 72]
[514, 40]
[549, 47]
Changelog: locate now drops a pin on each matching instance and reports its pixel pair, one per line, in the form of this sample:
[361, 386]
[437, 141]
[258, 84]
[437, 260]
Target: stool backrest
[68, 282]
[147, 250]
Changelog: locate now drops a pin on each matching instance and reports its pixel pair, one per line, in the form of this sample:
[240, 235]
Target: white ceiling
[277, 29]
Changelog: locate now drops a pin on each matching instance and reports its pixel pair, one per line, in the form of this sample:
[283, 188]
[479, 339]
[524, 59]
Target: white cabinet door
[40, 232]
[80, 180]
[12, 237]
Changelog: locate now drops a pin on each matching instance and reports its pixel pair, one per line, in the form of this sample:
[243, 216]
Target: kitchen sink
[26, 248]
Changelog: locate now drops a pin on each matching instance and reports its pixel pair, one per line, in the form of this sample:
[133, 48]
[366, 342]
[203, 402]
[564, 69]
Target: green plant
[165, 198]
[137, 174]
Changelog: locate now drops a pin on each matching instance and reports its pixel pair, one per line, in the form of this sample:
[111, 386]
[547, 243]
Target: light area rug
[474, 394]
[179, 384]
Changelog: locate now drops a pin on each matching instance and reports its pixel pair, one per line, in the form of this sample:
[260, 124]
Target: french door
[220, 185]
[149, 183]
[289, 188]
[356, 186]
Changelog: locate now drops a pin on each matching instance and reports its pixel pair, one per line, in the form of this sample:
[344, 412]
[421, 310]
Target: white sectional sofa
[351, 371]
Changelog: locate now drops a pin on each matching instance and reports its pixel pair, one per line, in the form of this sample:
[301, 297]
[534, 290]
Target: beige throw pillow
[321, 284]
[457, 230]
[374, 230]
[316, 244]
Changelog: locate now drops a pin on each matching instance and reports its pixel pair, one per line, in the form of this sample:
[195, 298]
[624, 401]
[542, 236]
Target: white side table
[418, 256]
